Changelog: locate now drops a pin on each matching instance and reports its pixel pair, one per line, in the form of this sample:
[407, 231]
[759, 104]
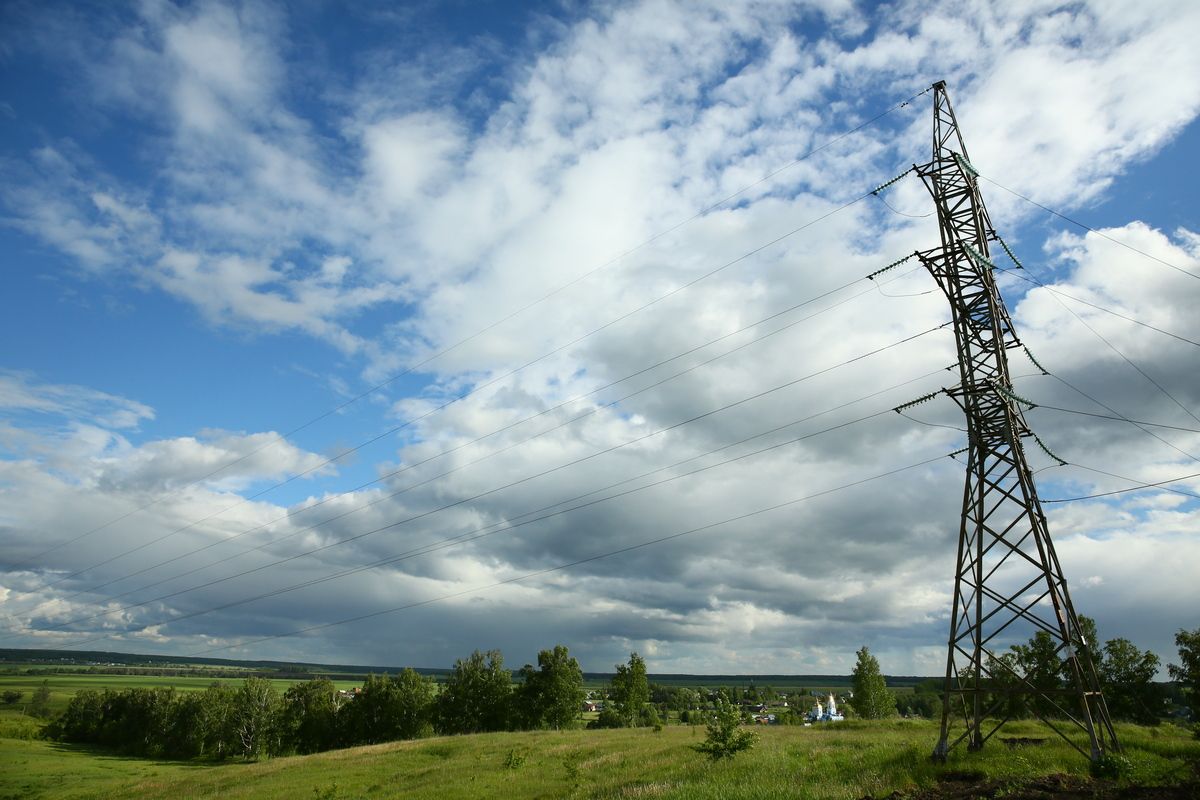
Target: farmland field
[64, 686]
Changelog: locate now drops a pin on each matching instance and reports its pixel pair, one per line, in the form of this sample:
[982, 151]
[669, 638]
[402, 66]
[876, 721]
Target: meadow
[844, 761]
[849, 760]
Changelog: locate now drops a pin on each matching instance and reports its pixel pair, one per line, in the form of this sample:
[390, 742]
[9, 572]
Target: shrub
[725, 738]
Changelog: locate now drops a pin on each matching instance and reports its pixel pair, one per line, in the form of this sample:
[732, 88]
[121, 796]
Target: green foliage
[388, 709]
[550, 696]
[39, 705]
[1039, 662]
[11, 697]
[872, 700]
[476, 696]
[308, 716]
[1187, 671]
[413, 704]
[514, 760]
[725, 737]
[1111, 766]
[255, 718]
[1127, 675]
[629, 693]
[329, 792]
[218, 722]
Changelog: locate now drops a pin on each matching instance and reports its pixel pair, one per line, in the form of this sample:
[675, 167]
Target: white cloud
[20, 392]
[283, 209]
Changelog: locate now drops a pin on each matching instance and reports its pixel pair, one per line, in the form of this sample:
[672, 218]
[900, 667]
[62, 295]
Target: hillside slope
[834, 761]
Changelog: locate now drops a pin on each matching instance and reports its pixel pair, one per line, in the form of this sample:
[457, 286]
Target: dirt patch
[966, 786]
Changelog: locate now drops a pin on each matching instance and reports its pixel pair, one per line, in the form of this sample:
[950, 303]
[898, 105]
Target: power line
[414, 465]
[476, 388]
[1061, 293]
[409, 370]
[1115, 418]
[1054, 293]
[1134, 480]
[897, 211]
[1139, 487]
[568, 565]
[507, 526]
[1086, 227]
[192, 524]
[534, 476]
[1112, 410]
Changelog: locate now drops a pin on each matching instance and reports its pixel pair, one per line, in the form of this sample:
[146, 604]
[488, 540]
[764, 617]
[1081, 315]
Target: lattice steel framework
[1008, 579]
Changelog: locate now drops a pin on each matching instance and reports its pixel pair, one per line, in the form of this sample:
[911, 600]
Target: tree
[414, 700]
[1128, 677]
[255, 718]
[217, 721]
[308, 717]
[184, 734]
[12, 697]
[39, 705]
[872, 700]
[387, 709]
[1004, 682]
[630, 692]
[1187, 672]
[725, 737]
[477, 695]
[82, 720]
[1042, 667]
[551, 695]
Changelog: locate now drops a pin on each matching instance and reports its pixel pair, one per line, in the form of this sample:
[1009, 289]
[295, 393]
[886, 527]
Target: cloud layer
[397, 205]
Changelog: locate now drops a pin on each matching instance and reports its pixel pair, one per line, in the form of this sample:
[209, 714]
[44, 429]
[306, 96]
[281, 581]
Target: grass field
[63, 687]
[847, 760]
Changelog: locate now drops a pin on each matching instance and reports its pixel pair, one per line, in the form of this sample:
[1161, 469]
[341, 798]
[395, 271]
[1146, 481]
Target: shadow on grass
[107, 754]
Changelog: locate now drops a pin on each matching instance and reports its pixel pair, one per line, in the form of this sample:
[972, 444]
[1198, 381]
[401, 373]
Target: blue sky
[220, 221]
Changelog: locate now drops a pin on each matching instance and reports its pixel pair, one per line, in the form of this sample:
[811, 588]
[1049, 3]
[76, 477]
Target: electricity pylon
[1007, 577]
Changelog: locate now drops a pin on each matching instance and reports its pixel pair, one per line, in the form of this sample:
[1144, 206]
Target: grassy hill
[848, 760]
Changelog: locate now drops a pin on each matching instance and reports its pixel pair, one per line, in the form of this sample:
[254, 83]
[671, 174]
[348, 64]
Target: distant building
[827, 712]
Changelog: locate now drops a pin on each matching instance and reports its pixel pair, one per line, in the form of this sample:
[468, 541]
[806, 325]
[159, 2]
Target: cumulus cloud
[282, 208]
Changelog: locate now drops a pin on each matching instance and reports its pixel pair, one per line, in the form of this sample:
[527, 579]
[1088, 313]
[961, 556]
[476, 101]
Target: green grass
[843, 761]
[64, 686]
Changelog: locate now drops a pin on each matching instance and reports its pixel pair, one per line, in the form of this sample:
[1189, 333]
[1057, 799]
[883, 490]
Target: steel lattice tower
[1007, 571]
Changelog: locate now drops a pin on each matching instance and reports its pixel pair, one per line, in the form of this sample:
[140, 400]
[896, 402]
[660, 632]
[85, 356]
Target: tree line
[1126, 673]
[255, 720]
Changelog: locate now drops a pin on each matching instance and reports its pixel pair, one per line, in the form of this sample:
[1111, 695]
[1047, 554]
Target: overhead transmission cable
[1098, 307]
[1110, 409]
[1165, 485]
[1056, 295]
[530, 517]
[575, 563]
[518, 521]
[448, 451]
[1113, 417]
[477, 388]
[526, 479]
[1137, 488]
[1090, 229]
[439, 353]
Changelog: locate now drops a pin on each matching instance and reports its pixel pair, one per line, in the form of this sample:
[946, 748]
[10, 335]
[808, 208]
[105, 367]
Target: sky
[381, 333]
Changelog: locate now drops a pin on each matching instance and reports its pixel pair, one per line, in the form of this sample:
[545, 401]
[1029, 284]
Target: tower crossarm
[1007, 575]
